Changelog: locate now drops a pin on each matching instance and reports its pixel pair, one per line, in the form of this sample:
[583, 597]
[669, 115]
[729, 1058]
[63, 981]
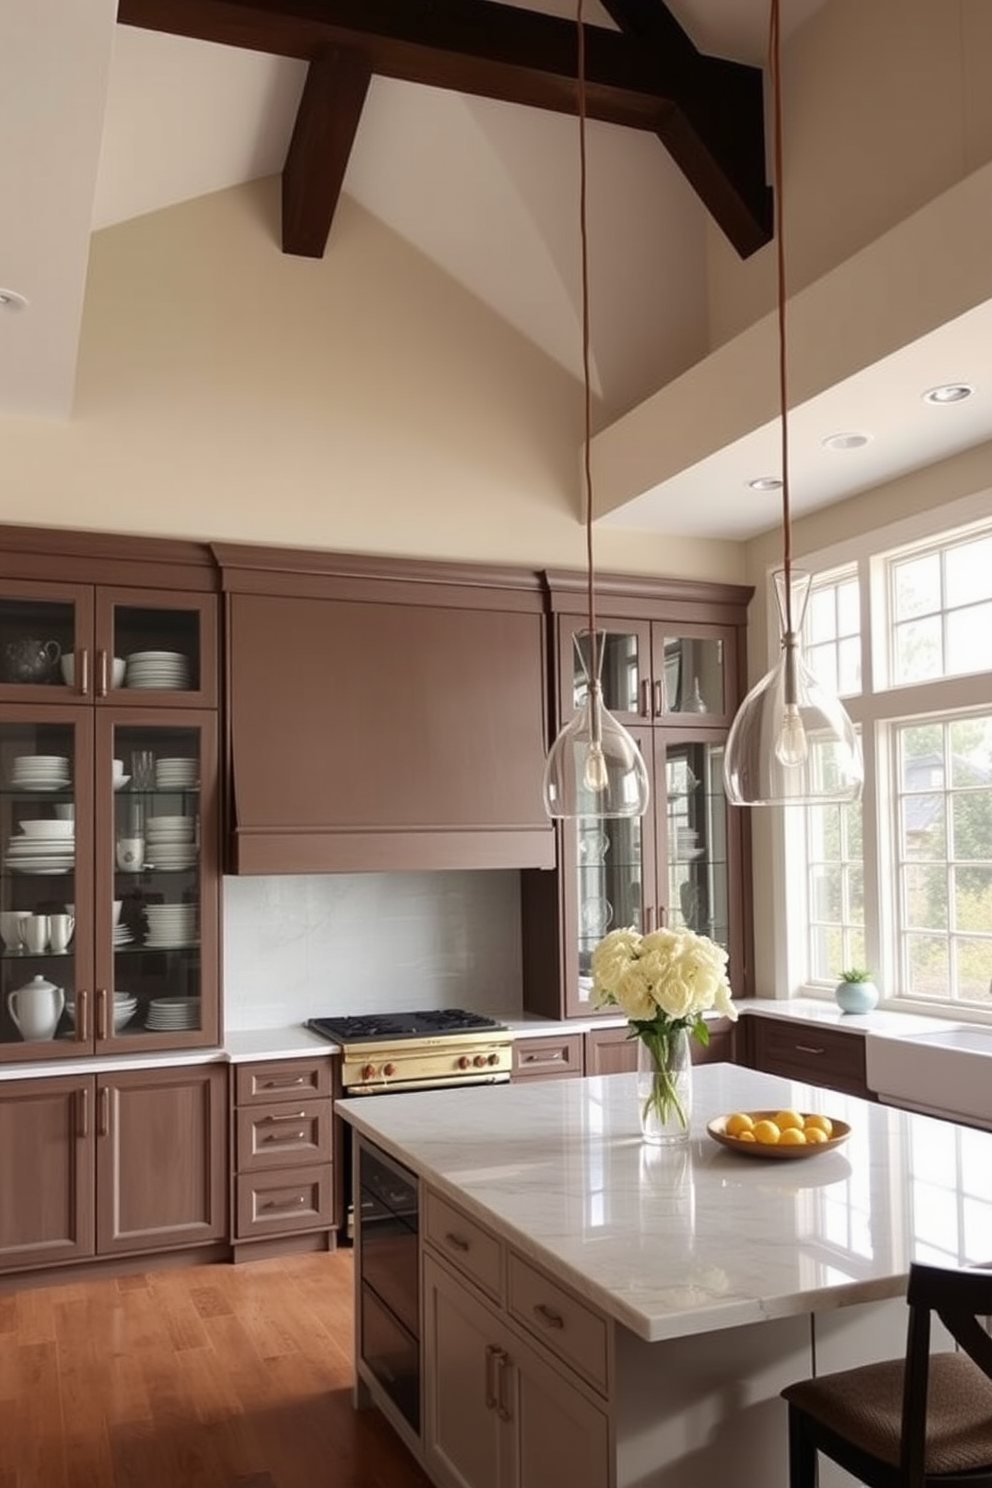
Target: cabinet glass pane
[697, 840]
[159, 647]
[694, 675]
[620, 674]
[608, 884]
[34, 637]
[156, 908]
[37, 880]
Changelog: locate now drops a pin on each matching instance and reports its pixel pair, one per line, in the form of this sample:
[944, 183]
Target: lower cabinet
[557, 1057]
[283, 1146]
[830, 1057]
[497, 1414]
[111, 1164]
[610, 1052]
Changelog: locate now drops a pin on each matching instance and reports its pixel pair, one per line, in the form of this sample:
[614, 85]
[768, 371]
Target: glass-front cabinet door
[46, 878]
[108, 880]
[625, 669]
[697, 895]
[694, 666]
[156, 935]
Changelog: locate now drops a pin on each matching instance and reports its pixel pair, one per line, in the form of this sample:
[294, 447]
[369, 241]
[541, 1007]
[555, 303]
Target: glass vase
[664, 1086]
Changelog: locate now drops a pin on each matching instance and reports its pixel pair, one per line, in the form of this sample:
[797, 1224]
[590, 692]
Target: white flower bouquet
[664, 982]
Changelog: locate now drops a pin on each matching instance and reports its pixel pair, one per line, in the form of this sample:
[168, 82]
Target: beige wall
[886, 104]
[362, 402]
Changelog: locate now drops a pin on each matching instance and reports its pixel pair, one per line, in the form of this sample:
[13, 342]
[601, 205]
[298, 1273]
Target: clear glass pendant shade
[791, 742]
[594, 767]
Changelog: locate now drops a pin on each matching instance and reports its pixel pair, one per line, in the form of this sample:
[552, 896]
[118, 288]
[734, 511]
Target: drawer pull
[457, 1243]
[84, 671]
[659, 706]
[280, 1206]
[292, 1116]
[497, 1360]
[808, 1049]
[101, 1013]
[557, 1057]
[103, 685]
[548, 1316]
[280, 1082]
[280, 1139]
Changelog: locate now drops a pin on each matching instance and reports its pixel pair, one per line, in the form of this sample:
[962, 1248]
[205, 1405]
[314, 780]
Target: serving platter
[717, 1130]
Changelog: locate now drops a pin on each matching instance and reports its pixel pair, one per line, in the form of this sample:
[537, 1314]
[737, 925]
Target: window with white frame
[901, 882]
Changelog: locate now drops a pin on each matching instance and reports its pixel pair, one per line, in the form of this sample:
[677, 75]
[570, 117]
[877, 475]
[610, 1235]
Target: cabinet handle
[292, 1116]
[84, 670]
[649, 917]
[548, 1316]
[501, 1361]
[283, 1206]
[104, 1128]
[645, 698]
[658, 701]
[277, 1083]
[82, 1016]
[808, 1049]
[662, 915]
[457, 1243]
[555, 1057]
[101, 1013]
[279, 1139]
[83, 1111]
[491, 1352]
[103, 686]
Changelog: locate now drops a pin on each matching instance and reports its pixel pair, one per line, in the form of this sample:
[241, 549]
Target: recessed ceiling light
[11, 300]
[847, 441]
[765, 483]
[949, 392]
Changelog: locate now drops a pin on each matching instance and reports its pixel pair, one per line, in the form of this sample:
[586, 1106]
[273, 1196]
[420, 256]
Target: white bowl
[45, 828]
[120, 781]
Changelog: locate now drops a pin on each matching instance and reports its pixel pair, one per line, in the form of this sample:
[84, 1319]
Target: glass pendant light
[791, 742]
[594, 767]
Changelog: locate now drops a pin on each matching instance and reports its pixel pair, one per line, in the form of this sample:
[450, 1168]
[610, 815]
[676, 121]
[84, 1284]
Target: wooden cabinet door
[377, 735]
[610, 1052]
[161, 1158]
[46, 1171]
[464, 1441]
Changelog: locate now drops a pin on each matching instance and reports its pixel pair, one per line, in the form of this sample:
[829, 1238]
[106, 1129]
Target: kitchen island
[603, 1313]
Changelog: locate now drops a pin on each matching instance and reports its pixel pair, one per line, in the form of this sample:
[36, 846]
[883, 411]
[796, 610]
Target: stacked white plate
[42, 847]
[122, 935]
[158, 669]
[167, 1014]
[170, 925]
[169, 842]
[41, 772]
[177, 774]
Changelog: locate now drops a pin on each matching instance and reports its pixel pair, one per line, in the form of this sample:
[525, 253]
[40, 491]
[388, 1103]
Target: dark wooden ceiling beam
[524, 57]
[326, 124]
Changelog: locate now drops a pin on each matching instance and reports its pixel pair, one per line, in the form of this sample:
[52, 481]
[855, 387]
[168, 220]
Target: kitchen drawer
[819, 1056]
[570, 1327]
[283, 1201]
[547, 1058]
[282, 1079]
[465, 1244]
[283, 1132]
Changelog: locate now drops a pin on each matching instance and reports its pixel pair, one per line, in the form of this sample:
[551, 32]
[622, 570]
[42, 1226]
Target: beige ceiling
[102, 123]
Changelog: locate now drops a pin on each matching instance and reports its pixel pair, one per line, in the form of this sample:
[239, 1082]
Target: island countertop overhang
[671, 1242]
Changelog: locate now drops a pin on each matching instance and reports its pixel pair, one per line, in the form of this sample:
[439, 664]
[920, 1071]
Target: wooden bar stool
[920, 1422]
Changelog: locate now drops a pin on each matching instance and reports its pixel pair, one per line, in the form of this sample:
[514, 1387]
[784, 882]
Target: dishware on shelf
[593, 847]
[158, 669]
[36, 932]
[28, 659]
[171, 1014]
[36, 1008]
[125, 1007]
[143, 769]
[40, 772]
[10, 928]
[46, 827]
[177, 774]
[60, 932]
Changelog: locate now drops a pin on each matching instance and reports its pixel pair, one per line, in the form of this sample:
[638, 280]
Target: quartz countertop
[671, 1242]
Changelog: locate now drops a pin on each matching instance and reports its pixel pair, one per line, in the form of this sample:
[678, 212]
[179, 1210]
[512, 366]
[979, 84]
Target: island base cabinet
[496, 1415]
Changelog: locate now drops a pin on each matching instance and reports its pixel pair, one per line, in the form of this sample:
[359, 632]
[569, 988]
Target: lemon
[819, 1123]
[746, 1136]
[792, 1136]
[739, 1123]
[789, 1121]
[814, 1134]
[766, 1132]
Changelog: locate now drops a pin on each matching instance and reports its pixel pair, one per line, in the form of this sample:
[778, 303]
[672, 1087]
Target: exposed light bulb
[595, 776]
[792, 746]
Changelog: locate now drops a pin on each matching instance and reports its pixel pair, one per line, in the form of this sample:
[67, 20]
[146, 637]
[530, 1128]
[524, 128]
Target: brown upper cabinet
[673, 671]
[382, 715]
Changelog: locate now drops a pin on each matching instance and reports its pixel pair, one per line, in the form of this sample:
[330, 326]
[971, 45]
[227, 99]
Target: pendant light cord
[586, 378]
[775, 66]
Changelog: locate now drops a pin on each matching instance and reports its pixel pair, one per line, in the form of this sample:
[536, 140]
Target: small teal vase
[856, 997]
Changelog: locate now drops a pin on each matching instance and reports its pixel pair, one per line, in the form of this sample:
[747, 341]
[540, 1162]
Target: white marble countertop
[673, 1242]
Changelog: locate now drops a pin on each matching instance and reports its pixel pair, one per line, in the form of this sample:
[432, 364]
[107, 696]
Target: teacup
[35, 932]
[10, 928]
[61, 927]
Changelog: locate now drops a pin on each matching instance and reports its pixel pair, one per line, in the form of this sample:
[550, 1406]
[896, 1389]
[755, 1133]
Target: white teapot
[36, 1008]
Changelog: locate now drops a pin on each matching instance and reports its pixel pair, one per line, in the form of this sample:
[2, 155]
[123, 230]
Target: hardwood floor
[210, 1377]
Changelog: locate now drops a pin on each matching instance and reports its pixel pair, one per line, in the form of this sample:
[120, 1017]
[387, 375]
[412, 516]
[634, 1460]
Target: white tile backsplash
[297, 947]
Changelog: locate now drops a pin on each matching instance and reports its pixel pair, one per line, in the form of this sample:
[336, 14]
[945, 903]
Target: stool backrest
[962, 1299]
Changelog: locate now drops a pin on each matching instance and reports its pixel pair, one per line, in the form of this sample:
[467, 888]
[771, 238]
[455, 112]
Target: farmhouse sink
[947, 1072]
